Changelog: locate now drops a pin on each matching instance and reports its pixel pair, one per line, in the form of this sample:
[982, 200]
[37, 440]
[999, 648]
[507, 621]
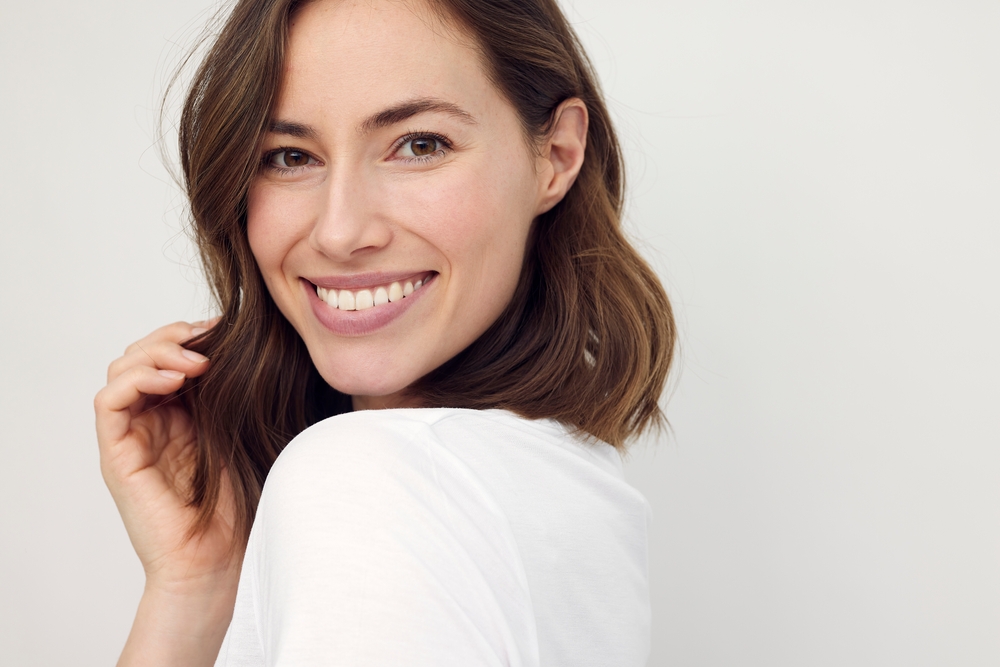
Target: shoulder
[371, 446]
[385, 432]
[439, 449]
[369, 440]
[381, 481]
[385, 469]
[367, 525]
[366, 440]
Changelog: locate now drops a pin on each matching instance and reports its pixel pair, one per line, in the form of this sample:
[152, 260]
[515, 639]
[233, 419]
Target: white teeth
[365, 299]
[327, 295]
[346, 300]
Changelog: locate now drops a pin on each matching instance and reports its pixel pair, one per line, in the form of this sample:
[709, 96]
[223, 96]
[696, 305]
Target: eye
[421, 146]
[288, 158]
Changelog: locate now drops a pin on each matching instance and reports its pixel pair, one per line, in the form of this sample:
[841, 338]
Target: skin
[353, 203]
[363, 202]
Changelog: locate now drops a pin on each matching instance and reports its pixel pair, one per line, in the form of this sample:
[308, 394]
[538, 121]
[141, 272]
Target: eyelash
[265, 162]
[445, 145]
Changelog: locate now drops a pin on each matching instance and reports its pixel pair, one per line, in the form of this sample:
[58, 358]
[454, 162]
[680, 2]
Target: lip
[370, 280]
[363, 322]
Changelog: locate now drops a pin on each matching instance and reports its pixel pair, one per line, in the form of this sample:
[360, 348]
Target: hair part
[587, 340]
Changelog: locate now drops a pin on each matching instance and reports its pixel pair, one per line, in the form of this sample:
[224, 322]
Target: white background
[818, 184]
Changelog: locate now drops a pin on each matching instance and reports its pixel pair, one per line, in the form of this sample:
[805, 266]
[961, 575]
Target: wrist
[201, 589]
[180, 623]
[202, 600]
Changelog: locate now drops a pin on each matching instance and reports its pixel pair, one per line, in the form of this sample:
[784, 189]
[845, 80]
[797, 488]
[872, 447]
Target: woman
[399, 205]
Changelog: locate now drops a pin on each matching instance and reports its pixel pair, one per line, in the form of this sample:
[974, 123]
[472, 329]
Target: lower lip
[361, 322]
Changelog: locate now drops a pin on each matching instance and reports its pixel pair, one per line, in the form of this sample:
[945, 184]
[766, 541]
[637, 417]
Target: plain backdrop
[817, 183]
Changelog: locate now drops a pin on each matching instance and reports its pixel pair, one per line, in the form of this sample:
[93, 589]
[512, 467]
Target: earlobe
[563, 152]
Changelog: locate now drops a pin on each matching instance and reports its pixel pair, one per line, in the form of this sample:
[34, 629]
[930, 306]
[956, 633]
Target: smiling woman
[410, 168]
[410, 217]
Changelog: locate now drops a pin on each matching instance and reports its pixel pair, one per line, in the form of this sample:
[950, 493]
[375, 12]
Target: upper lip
[371, 279]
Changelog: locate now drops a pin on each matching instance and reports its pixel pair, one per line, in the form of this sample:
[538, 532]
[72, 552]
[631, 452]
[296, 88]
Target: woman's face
[390, 218]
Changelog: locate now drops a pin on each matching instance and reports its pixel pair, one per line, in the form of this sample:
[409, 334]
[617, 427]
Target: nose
[349, 224]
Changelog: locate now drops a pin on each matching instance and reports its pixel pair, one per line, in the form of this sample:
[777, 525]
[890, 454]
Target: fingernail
[194, 356]
[173, 375]
[197, 331]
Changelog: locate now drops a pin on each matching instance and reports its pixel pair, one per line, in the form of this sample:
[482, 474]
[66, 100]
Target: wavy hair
[587, 340]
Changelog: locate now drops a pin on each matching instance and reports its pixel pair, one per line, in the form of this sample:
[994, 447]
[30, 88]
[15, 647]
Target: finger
[202, 327]
[113, 403]
[209, 323]
[163, 355]
[174, 333]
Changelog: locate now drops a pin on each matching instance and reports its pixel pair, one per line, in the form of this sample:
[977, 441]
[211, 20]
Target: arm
[175, 626]
[147, 447]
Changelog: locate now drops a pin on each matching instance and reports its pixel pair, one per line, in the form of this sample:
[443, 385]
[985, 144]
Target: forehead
[352, 56]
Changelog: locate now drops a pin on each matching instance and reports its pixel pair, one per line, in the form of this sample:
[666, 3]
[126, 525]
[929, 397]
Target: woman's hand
[147, 444]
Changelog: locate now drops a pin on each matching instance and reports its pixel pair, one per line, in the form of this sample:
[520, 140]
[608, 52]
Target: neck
[395, 400]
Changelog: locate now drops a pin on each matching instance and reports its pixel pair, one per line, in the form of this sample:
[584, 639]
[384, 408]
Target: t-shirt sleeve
[372, 546]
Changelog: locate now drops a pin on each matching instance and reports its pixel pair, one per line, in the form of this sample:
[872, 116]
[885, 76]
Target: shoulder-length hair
[587, 340]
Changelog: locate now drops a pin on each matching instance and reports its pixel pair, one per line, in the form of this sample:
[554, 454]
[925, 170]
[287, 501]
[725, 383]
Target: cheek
[271, 228]
[274, 226]
[258, 231]
[477, 214]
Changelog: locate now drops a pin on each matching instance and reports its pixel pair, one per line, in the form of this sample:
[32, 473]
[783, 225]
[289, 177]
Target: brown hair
[587, 340]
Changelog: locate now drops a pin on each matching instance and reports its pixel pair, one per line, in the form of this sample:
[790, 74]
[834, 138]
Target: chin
[374, 369]
[366, 382]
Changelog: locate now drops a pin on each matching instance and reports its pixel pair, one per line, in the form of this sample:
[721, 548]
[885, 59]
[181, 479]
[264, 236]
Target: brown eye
[289, 159]
[421, 146]
[424, 146]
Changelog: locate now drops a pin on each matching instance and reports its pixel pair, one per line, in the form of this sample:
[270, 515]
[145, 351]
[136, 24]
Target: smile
[363, 299]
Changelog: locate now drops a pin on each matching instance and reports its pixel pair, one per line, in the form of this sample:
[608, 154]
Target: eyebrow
[297, 130]
[385, 118]
[400, 112]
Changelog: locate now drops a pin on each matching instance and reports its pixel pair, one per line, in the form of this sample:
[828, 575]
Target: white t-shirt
[439, 537]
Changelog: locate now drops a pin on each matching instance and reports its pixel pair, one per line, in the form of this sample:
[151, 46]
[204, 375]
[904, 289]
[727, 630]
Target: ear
[561, 154]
